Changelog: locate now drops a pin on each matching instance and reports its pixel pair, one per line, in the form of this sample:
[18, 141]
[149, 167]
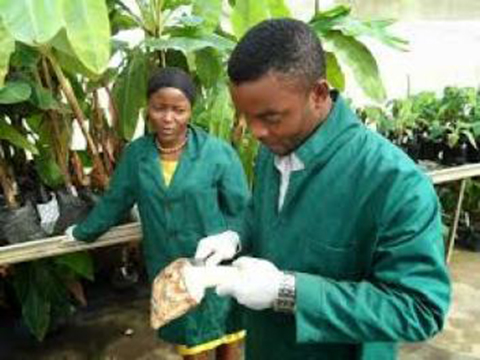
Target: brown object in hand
[170, 298]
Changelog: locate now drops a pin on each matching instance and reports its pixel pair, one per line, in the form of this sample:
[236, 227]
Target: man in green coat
[343, 229]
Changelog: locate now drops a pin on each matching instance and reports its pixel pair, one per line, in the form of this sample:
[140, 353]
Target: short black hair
[174, 78]
[286, 46]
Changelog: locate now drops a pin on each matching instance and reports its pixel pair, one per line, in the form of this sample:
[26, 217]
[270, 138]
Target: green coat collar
[192, 149]
[150, 160]
[330, 135]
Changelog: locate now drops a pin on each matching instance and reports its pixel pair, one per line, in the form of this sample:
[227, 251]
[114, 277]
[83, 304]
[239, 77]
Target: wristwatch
[285, 301]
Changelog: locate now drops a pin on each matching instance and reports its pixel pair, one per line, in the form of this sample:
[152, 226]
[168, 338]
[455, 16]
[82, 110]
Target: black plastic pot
[473, 155]
[430, 150]
[72, 209]
[20, 225]
[457, 155]
[413, 147]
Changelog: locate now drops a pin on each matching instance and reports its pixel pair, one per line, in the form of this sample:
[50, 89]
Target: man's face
[279, 111]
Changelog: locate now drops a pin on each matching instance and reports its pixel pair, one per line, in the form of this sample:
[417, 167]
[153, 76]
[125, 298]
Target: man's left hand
[257, 285]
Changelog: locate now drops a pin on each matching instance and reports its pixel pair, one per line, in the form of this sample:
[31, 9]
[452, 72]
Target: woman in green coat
[187, 186]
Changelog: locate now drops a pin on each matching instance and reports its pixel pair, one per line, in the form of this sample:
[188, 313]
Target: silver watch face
[286, 295]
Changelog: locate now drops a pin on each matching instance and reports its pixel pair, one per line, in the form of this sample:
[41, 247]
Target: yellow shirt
[168, 168]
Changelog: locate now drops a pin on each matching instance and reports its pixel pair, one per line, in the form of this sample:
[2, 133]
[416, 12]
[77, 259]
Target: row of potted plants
[443, 128]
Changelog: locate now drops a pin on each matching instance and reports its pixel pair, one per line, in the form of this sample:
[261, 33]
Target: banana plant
[42, 63]
[340, 33]
[77, 33]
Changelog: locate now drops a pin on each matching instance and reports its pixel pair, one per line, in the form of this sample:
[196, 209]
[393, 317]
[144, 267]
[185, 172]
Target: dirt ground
[115, 327]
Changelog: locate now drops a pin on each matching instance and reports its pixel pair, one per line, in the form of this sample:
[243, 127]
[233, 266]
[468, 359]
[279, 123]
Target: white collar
[288, 163]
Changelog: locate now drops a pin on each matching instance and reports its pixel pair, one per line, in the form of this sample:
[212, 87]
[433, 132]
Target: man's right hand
[216, 248]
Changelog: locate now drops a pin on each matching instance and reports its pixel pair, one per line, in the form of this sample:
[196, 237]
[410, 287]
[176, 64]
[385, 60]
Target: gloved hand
[216, 248]
[69, 235]
[194, 278]
[256, 285]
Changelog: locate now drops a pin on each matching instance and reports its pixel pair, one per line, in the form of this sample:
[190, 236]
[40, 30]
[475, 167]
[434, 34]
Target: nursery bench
[53, 246]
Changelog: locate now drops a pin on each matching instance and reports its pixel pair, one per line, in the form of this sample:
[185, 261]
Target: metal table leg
[453, 229]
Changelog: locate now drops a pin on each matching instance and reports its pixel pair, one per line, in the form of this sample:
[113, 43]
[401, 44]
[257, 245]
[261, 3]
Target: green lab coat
[206, 196]
[360, 226]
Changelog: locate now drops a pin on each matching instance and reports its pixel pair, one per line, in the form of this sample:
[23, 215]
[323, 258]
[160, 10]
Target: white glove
[69, 235]
[194, 281]
[256, 285]
[198, 278]
[216, 248]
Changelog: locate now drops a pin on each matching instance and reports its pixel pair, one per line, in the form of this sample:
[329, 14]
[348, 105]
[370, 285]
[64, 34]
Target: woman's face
[169, 112]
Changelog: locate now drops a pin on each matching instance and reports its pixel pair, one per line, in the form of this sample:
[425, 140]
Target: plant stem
[100, 131]
[137, 19]
[81, 120]
[78, 175]
[59, 150]
[112, 108]
[158, 18]
[7, 184]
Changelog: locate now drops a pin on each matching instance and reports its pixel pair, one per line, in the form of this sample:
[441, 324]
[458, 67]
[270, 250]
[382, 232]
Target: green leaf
[85, 158]
[24, 57]
[80, 263]
[29, 288]
[182, 44]
[46, 162]
[335, 75]
[68, 60]
[32, 22]
[470, 137]
[221, 113]
[325, 21]
[48, 169]
[278, 8]
[10, 134]
[361, 61]
[338, 18]
[7, 47]
[248, 13]
[221, 43]
[88, 31]
[187, 44]
[72, 66]
[173, 4]
[36, 313]
[14, 92]
[374, 29]
[210, 11]
[43, 98]
[209, 66]
[129, 93]
[146, 15]
[334, 12]
[214, 112]
[122, 22]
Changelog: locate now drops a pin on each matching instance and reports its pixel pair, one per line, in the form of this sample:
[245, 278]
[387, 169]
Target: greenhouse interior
[239, 179]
